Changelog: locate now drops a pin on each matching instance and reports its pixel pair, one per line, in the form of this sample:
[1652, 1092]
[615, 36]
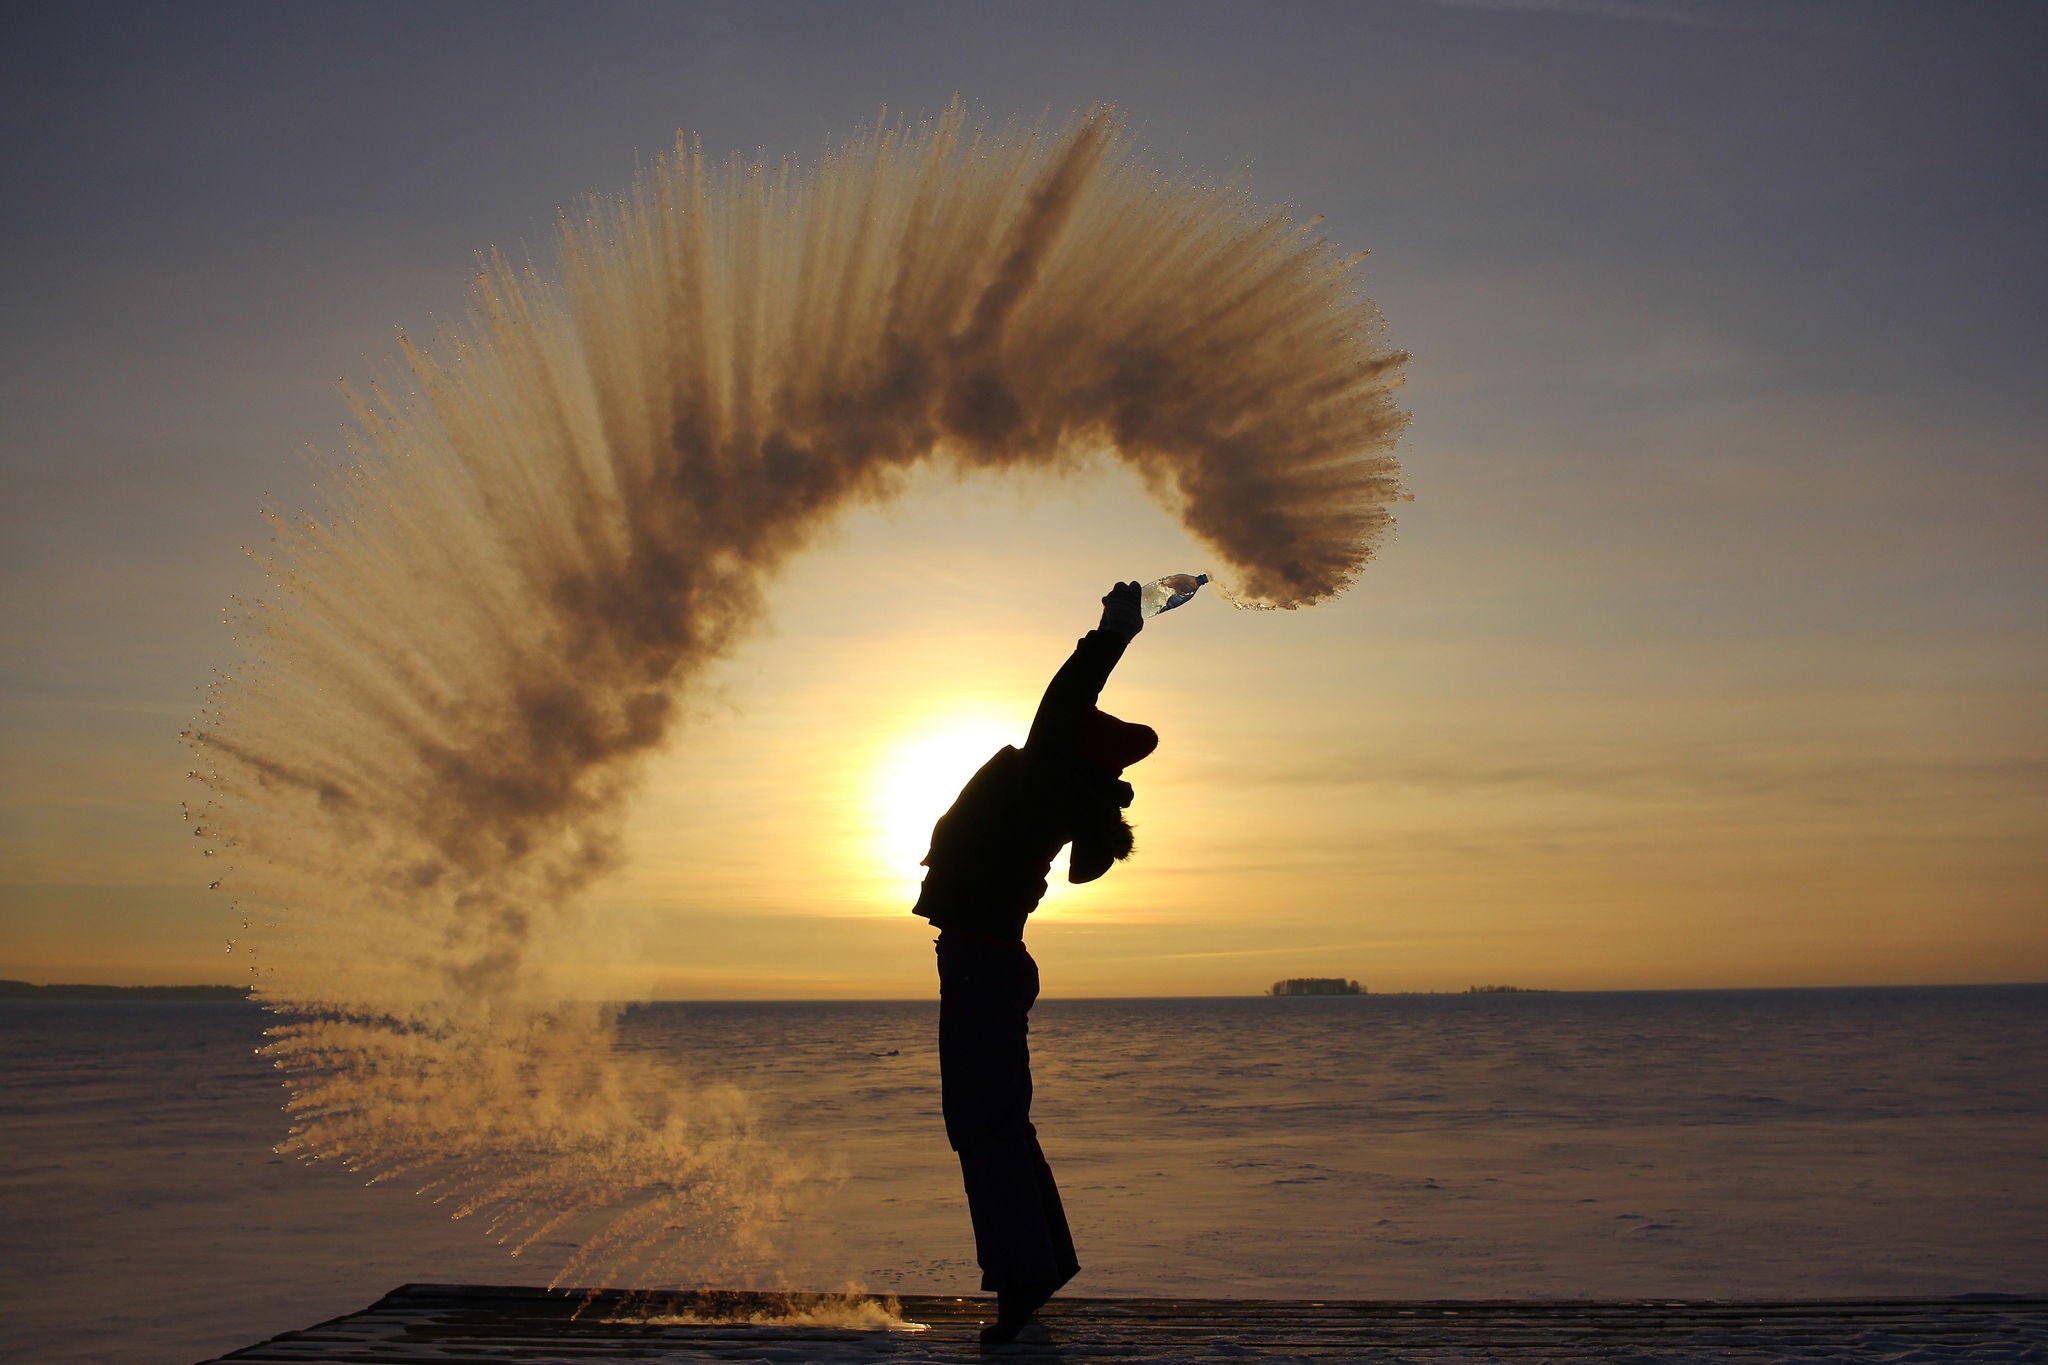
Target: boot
[1014, 1309]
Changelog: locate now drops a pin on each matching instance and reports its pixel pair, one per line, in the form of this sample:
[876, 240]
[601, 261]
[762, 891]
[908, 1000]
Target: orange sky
[1338, 792]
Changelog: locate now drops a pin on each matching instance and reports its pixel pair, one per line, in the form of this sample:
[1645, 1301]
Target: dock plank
[447, 1324]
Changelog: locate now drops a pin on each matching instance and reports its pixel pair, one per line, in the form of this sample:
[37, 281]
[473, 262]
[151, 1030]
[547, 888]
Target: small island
[1316, 985]
[1508, 990]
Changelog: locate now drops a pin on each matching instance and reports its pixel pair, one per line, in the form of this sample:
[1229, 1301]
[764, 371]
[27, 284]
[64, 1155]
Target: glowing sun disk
[917, 779]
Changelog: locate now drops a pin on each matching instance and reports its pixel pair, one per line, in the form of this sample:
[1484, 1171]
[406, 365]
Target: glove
[1120, 614]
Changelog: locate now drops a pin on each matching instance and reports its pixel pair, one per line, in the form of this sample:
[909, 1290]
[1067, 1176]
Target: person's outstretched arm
[1075, 688]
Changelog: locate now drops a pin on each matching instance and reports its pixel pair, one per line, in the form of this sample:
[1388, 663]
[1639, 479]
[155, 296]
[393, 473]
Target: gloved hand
[1120, 613]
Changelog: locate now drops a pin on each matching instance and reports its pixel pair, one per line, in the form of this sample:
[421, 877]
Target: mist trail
[525, 564]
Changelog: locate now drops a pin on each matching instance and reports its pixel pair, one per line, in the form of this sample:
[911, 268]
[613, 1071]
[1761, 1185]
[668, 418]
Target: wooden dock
[444, 1324]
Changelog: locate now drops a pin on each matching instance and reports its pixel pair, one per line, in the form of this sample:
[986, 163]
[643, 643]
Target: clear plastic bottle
[1164, 594]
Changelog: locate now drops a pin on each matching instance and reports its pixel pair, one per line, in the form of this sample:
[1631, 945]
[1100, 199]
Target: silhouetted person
[988, 864]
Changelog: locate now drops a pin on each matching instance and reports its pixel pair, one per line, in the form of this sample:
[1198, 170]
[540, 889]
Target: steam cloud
[525, 566]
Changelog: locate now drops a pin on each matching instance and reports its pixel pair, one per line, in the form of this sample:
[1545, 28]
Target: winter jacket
[991, 853]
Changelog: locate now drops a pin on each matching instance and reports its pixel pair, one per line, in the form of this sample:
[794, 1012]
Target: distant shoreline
[17, 991]
[24, 990]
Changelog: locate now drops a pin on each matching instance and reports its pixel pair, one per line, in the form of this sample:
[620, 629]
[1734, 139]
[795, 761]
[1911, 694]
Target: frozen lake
[1682, 1144]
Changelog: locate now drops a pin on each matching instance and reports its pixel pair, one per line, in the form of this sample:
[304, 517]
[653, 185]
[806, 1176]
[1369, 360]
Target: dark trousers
[986, 990]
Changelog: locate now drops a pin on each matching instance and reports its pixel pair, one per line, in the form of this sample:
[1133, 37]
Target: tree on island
[1316, 985]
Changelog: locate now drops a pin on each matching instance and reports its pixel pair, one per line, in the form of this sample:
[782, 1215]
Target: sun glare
[917, 779]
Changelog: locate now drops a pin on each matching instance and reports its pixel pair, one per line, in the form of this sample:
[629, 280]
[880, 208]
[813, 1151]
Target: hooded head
[1102, 837]
[1112, 744]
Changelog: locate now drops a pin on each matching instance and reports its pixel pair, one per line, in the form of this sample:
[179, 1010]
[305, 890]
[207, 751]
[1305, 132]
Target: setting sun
[916, 781]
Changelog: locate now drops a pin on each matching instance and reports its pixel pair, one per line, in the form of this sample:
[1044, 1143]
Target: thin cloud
[1677, 773]
[1684, 13]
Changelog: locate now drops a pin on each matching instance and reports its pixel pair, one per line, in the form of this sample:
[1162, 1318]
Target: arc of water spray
[521, 569]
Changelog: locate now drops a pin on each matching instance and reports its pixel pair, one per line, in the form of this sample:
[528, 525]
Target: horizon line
[249, 991]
